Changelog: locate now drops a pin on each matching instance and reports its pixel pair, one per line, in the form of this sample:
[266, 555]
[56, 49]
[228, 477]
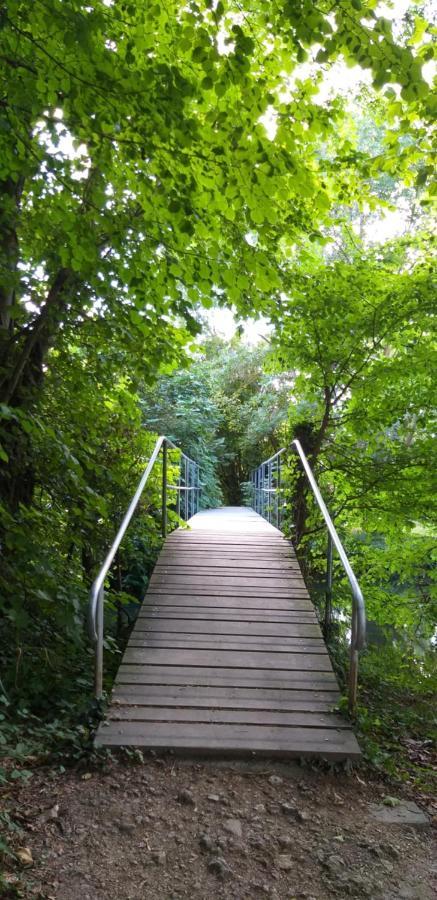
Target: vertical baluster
[328, 590]
[353, 664]
[190, 493]
[269, 495]
[98, 673]
[266, 484]
[178, 492]
[279, 494]
[164, 490]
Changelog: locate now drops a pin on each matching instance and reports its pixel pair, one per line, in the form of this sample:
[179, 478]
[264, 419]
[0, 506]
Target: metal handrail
[191, 506]
[358, 629]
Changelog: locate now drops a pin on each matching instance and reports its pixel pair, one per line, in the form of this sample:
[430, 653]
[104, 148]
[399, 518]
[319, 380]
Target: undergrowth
[396, 715]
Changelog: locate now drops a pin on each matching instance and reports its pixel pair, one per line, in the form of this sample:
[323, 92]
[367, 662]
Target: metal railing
[187, 489]
[269, 502]
[267, 489]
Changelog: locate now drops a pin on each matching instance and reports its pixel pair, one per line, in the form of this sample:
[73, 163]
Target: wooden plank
[263, 717]
[227, 645]
[258, 565]
[155, 625]
[224, 697]
[225, 642]
[160, 591]
[230, 613]
[197, 614]
[287, 641]
[201, 589]
[265, 574]
[257, 616]
[233, 593]
[244, 659]
[205, 601]
[286, 741]
[231, 551]
[221, 677]
[200, 578]
[190, 539]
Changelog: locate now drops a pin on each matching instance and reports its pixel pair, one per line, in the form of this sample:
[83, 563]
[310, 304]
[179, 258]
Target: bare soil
[167, 830]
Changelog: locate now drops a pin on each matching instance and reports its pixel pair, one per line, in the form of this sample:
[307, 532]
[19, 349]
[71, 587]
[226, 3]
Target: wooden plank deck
[227, 656]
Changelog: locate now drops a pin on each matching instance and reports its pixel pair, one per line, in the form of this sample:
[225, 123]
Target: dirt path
[169, 830]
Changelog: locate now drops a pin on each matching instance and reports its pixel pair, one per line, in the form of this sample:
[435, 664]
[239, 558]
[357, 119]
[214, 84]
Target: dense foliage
[160, 158]
[226, 409]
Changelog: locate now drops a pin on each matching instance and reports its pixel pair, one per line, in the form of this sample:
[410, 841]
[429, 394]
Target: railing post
[178, 493]
[98, 672]
[187, 492]
[353, 665]
[278, 494]
[328, 589]
[164, 490]
[269, 488]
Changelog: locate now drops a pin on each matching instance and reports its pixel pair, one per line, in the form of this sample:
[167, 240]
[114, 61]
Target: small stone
[275, 780]
[159, 857]
[220, 867]
[334, 862]
[391, 851]
[214, 798]
[258, 843]
[24, 855]
[418, 891]
[285, 841]
[305, 788]
[125, 827]
[260, 808]
[289, 810]
[294, 813]
[186, 797]
[388, 867]
[206, 842]
[404, 813]
[302, 816]
[284, 862]
[233, 826]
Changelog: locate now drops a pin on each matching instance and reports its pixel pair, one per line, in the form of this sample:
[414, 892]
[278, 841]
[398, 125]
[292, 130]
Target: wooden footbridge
[226, 656]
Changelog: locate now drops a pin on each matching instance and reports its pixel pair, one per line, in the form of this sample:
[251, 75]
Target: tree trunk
[312, 443]
[23, 373]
